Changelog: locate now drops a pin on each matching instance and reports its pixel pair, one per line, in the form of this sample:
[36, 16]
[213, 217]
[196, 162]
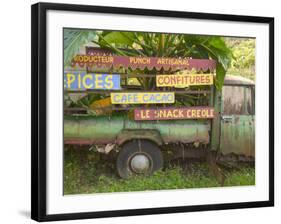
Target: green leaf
[73, 40]
[126, 38]
[218, 43]
[220, 74]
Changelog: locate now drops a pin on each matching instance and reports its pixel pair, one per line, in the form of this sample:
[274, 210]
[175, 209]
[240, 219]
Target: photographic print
[142, 111]
[138, 111]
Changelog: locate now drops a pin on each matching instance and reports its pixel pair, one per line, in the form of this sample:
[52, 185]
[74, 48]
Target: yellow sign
[142, 98]
[182, 81]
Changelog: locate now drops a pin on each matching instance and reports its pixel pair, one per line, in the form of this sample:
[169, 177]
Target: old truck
[140, 145]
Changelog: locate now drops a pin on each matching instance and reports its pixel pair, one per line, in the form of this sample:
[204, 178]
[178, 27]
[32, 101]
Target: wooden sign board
[83, 80]
[174, 113]
[158, 63]
[142, 97]
[182, 81]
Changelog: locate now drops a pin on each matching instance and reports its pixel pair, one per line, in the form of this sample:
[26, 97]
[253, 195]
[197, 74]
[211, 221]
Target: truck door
[238, 120]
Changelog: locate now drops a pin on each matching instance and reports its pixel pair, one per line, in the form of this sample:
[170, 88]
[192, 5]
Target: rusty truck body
[140, 143]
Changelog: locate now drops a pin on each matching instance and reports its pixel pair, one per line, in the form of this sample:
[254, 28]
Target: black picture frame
[38, 110]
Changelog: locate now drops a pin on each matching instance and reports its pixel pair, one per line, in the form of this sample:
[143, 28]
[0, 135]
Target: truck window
[237, 100]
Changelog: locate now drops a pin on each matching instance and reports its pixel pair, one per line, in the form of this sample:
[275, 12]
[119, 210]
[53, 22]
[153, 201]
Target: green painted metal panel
[238, 135]
[104, 129]
[238, 121]
[97, 129]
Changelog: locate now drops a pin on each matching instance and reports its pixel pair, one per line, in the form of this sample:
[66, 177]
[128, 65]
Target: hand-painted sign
[142, 97]
[182, 81]
[173, 113]
[109, 61]
[83, 80]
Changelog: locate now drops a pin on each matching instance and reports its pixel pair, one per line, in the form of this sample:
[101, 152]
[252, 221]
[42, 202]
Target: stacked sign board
[85, 81]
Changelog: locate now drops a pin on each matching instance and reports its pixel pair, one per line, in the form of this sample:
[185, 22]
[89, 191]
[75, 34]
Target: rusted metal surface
[237, 80]
[238, 121]
[148, 134]
[185, 131]
[85, 129]
[238, 135]
[233, 100]
[226, 133]
[232, 159]
[185, 151]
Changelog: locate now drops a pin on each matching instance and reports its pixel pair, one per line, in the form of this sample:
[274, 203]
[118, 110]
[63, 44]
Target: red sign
[108, 61]
[173, 113]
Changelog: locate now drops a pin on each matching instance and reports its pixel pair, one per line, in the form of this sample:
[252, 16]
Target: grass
[88, 172]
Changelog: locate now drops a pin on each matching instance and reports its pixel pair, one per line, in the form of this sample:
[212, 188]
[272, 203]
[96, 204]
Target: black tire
[141, 148]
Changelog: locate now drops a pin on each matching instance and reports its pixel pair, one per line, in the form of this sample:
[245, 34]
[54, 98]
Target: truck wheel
[139, 157]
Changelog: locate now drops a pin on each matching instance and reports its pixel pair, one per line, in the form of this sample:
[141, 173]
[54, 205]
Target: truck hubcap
[140, 163]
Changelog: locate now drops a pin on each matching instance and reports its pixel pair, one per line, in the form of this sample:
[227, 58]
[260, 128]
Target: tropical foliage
[73, 40]
[243, 61]
[152, 44]
[169, 45]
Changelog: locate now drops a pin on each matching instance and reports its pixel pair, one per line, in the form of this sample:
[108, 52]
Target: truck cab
[238, 116]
